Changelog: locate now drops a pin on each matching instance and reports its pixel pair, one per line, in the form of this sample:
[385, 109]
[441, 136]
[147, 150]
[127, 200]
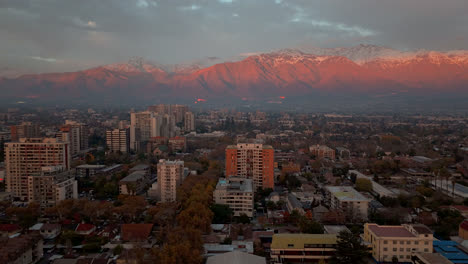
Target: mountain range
[364, 70]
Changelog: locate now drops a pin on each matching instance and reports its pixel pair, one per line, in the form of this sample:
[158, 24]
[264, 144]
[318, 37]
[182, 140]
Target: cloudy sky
[67, 35]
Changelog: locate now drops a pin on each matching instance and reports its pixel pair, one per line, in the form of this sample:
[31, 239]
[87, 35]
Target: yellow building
[302, 248]
[388, 242]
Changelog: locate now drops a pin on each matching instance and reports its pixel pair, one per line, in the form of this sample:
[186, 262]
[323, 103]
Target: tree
[349, 249]
[309, 226]
[363, 185]
[243, 219]
[222, 213]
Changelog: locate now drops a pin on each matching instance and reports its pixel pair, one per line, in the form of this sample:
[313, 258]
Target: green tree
[349, 249]
[309, 226]
[222, 213]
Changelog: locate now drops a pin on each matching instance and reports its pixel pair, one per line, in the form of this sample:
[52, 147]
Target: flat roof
[297, 241]
[390, 231]
[134, 176]
[235, 184]
[433, 258]
[346, 193]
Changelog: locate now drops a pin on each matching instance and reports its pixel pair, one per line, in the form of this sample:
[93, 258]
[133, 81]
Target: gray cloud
[87, 33]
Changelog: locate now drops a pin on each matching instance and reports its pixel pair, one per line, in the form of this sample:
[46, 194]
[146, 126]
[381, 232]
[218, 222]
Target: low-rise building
[401, 242]
[237, 193]
[24, 249]
[350, 201]
[302, 248]
[133, 184]
[88, 170]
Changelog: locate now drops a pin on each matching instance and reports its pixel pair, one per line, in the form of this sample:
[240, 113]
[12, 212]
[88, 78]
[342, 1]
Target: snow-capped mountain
[364, 69]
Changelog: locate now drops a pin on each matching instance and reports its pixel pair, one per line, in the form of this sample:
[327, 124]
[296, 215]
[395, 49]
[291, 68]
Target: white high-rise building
[27, 157]
[170, 176]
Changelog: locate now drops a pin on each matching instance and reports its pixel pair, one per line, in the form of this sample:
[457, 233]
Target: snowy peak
[134, 64]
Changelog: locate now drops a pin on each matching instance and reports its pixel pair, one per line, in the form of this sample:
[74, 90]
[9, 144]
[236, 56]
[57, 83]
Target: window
[384, 249]
[290, 245]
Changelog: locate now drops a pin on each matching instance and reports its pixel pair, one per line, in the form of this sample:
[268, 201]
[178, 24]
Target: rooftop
[235, 184]
[450, 250]
[346, 193]
[390, 231]
[134, 176]
[298, 241]
[89, 166]
[236, 257]
[433, 258]
[136, 232]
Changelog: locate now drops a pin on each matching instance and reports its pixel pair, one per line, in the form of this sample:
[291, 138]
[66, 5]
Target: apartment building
[118, 140]
[143, 126]
[24, 130]
[401, 242]
[302, 248]
[351, 202]
[27, 157]
[251, 161]
[170, 176]
[189, 122]
[52, 185]
[322, 151]
[237, 193]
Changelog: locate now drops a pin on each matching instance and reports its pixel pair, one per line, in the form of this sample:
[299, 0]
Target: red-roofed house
[7, 230]
[85, 229]
[463, 230]
[388, 242]
[136, 232]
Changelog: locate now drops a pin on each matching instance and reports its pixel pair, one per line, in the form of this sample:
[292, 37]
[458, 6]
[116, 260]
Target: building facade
[251, 161]
[351, 202]
[302, 248]
[401, 242]
[118, 140]
[170, 176]
[51, 186]
[27, 157]
[237, 193]
[322, 151]
[25, 130]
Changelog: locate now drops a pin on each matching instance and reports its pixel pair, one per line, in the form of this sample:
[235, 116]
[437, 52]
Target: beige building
[52, 185]
[170, 176]
[322, 151]
[27, 157]
[143, 126]
[237, 193]
[118, 140]
[302, 248]
[25, 130]
[350, 201]
[388, 242]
